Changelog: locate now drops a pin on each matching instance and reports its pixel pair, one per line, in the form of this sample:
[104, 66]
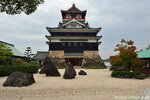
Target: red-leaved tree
[126, 57]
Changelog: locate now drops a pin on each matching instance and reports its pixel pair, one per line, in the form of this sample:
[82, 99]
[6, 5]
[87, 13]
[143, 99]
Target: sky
[119, 19]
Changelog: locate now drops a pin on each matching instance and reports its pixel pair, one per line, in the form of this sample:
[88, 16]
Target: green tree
[5, 54]
[17, 6]
[28, 52]
[126, 57]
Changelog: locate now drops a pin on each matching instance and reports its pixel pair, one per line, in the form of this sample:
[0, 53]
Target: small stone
[82, 72]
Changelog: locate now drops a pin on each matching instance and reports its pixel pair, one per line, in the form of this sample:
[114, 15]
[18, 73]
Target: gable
[74, 21]
[73, 25]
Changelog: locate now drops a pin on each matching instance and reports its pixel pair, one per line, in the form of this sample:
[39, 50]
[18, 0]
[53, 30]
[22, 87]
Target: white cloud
[115, 16]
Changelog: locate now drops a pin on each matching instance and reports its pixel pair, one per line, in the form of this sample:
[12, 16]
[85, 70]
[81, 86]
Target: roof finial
[73, 5]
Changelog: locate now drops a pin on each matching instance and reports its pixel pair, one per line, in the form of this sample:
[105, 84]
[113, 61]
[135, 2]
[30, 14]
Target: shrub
[34, 63]
[112, 68]
[139, 63]
[94, 67]
[19, 61]
[129, 74]
[116, 68]
[142, 76]
[143, 70]
[115, 73]
[5, 70]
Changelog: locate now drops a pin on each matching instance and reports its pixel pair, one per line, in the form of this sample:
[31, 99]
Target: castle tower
[73, 40]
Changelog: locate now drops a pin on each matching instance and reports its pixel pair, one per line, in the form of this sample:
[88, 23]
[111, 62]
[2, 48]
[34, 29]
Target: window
[79, 26]
[63, 44]
[81, 44]
[90, 45]
[68, 26]
[78, 16]
[75, 44]
[73, 25]
[69, 44]
[68, 16]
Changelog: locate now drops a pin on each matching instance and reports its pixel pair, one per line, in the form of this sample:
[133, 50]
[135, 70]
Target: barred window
[63, 44]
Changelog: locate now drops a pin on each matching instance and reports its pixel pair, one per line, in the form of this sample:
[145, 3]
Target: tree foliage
[17, 6]
[19, 61]
[126, 57]
[5, 54]
[115, 60]
[28, 52]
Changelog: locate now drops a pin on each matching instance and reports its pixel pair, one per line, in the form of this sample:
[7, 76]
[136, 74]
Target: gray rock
[49, 68]
[93, 62]
[19, 79]
[70, 72]
[82, 72]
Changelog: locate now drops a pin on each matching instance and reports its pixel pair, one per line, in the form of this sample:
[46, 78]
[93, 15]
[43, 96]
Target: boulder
[82, 72]
[49, 68]
[70, 72]
[93, 62]
[19, 79]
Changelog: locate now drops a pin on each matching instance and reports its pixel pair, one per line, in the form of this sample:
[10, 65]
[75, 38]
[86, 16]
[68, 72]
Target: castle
[74, 40]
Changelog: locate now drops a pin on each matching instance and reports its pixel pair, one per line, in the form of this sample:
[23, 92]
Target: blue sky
[128, 19]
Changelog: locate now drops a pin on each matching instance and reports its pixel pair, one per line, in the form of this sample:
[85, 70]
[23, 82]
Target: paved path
[146, 95]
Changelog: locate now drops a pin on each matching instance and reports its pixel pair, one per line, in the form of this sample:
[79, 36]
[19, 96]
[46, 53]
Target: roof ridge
[7, 43]
[73, 8]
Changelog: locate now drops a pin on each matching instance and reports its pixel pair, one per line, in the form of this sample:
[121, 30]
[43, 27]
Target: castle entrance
[74, 61]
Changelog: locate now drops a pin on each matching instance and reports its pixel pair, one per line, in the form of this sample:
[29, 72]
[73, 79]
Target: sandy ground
[97, 85]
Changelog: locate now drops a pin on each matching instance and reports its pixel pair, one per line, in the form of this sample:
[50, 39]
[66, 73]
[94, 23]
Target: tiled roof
[85, 30]
[73, 9]
[144, 53]
[40, 55]
[15, 51]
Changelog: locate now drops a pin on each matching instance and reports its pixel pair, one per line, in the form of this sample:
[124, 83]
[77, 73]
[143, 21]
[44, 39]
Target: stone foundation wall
[91, 54]
[57, 58]
[57, 54]
[92, 58]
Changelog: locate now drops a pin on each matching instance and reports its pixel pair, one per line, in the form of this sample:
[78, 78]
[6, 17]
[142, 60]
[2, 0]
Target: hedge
[94, 67]
[5, 70]
[129, 74]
